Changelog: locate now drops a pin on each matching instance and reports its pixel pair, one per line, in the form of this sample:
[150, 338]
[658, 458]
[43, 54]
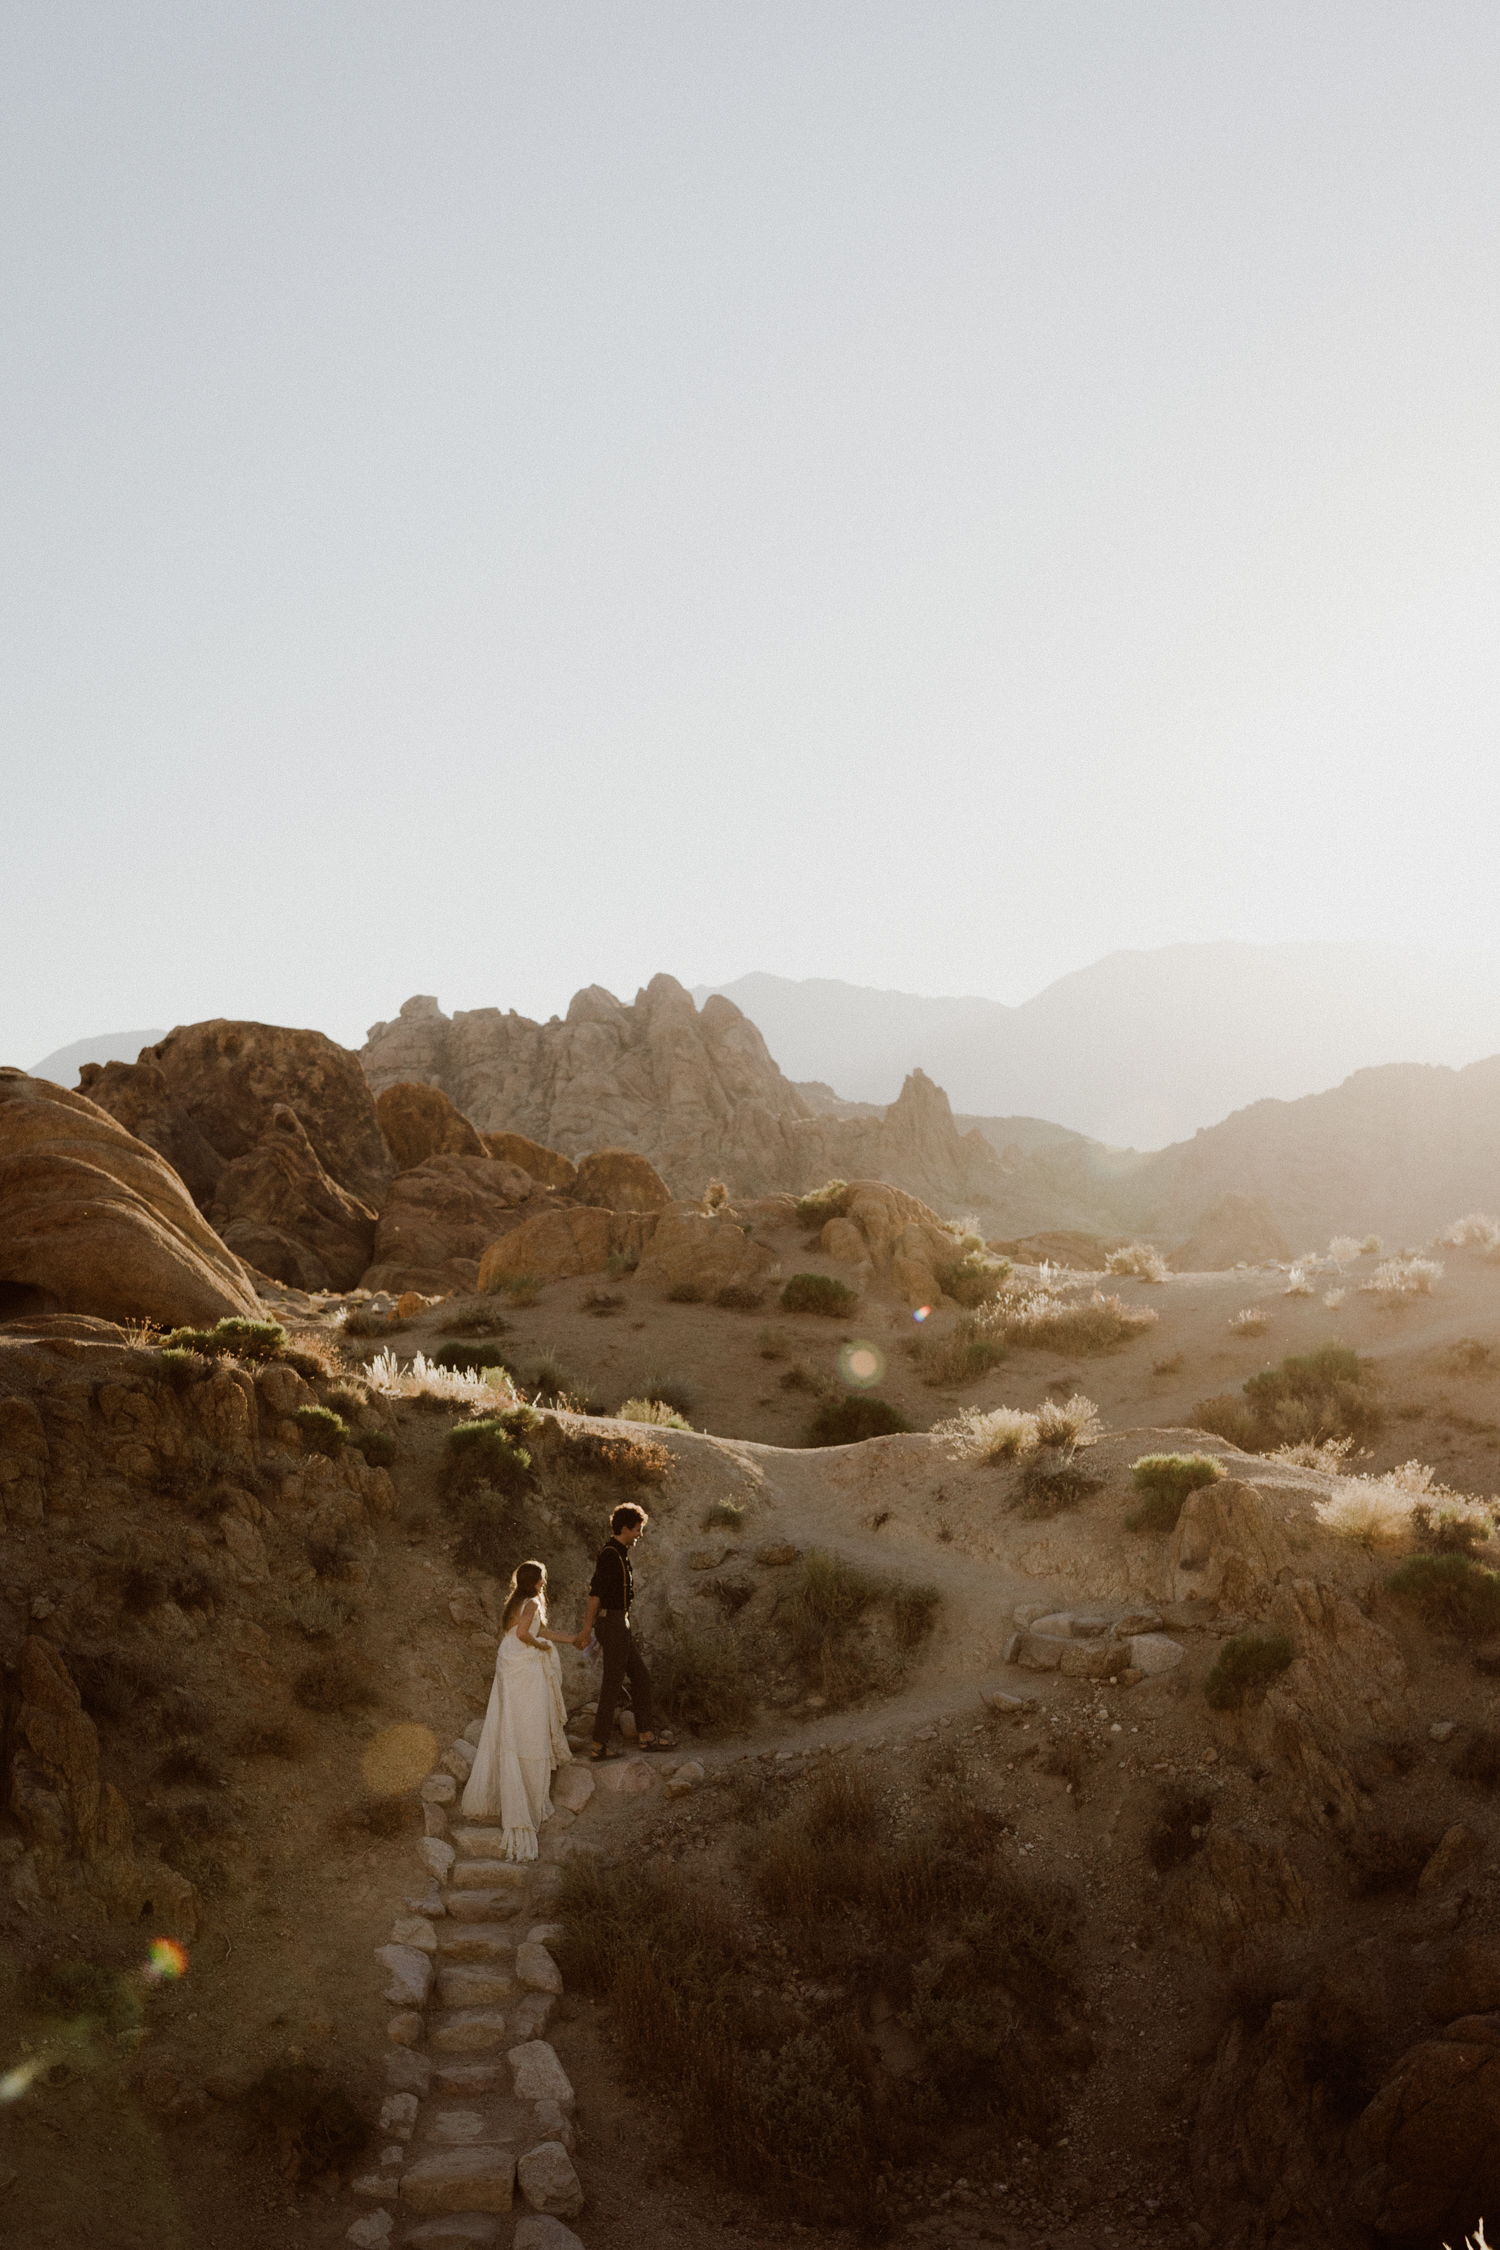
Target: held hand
[581, 1640]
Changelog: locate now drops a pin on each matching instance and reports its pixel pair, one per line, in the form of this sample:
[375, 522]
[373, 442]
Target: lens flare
[921, 1312]
[15, 2082]
[861, 1364]
[168, 1960]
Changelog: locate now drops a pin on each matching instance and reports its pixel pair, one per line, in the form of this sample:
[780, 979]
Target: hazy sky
[501, 498]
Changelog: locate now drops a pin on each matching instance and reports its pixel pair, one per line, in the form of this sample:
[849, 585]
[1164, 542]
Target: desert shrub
[801, 1377]
[1138, 1258]
[1040, 1321]
[725, 1515]
[376, 1816]
[1452, 1593]
[1178, 1827]
[465, 1359]
[306, 2126]
[489, 1450]
[377, 1446]
[339, 1682]
[701, 1680]
[1070, 1423]
[669, 1388]
[824, 1618]
[83, 1991]
[974, 1280]
[850, 1420]
[1050, 1488]
[1478, 1230]
[179, 1367]
[142, 1585]
[806, 2105]
[1172, 1365]
[1164, 1481]
[823, 1204]
[773, 1343]
[601, 1303]
[321, 1615]
[321, 1430]
[737, 1297]
[1319, 1394]
[117, 1682]
[245, 1339]
[999, 1435]
[970, 1349]
[1400, 1279]
[287, 1739]
[1244, 1668]
[913, 1612]
[552, 1384]
[1227, 1417]
[1450, 1524]
[618, 1460]
[1297, 1283]
[360, 1322]
[651, 1410]
[818, 1293]
[1251, 1322]
[685, 1293]
[1334, 1300]
[1468, 1355]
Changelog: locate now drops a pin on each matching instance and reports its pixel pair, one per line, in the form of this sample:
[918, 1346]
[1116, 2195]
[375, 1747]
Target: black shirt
[613, 1581]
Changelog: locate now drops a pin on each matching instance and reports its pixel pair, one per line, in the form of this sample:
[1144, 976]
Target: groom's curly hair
[624, 1517]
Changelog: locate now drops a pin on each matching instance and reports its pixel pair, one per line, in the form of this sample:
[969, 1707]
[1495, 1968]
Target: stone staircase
[479, 2109]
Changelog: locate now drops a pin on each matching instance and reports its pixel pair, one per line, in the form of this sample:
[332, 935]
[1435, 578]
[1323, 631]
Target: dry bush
[1469, 1355]
[651, 1410]
[725, 1515]
[1451, 1593]
[1342, 1248]
[1375, 1511]
[360, 1322]
[735, 1297]
[853, 1418]
[473, 1316]
[186, 1768]
[425, 1379]
[669, 1388]
[819, 1293]
[1072, 1423]
[1172, 1365]
[1398, 1280]
[1297, 1283]
[1048, 1489]
[1478, 1231]
[773, 1343]
[1042, 1321]
[1251, 1322]
[999, 1435]
[1138, 1258]
[1227, 1417]
[307, 2127]
[1334, 1299]
[1331, 1455]
[974, 1280]
[801, 1376]
[520, 1288]
[702, 1681]
[1244, 1668]
[1179, 1826]
[969, 1349]
[823, 1204]
[617, 1460]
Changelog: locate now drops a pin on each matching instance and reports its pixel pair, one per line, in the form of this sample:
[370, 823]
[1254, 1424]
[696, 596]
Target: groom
[610, 1592]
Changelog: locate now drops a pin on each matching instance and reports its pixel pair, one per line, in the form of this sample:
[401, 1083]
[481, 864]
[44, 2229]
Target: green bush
[1245, 1667]
[818, 1293]
[1164, 1481]
[701, 1680]
[823, 1204]
[1228, 1417]
[807, 2106]
[181, 1366]
[974, 1280]
[378, 1447]
[1451, 1592]
[1047, 1489]
[848, 1421]
[466, 1359]
[246, 1339]
[322, 1430]
[970, 1349]
[487, 1450]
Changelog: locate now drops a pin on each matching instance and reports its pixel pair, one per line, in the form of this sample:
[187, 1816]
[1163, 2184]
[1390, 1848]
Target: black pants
[622, 1661]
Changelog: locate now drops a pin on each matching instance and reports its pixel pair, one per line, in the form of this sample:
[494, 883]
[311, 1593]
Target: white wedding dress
[523, 1743]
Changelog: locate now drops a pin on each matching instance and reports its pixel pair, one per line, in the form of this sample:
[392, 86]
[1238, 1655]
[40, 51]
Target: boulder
[691, 1251]
[538, 2076]
[440, 1217]
[419, 1121]
[616, 1179]
[537, 2231]
[548, 2181]
[458, 2230]
[1427, 2149]
[1227, 1547]
[231, 1077]
[559, 1243]
[93, 1221]
[842, 1239]
[536, 1970]
[281, 1212]
[1470, 1984]
[138, 1097]
[1240, 1880]
[547, 1166]
[410, 1972]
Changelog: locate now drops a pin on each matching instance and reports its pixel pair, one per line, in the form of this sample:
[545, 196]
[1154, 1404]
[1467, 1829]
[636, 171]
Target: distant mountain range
[107, 1047]
[1140, 1049]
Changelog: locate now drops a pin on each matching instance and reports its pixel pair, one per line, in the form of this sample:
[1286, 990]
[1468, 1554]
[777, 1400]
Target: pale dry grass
[1331, 1455]
[653, 1410]
[1139, 1258]
[1251, 1322]
[1297, 1283]
[1343, 1248]
[424, 1379]
[1376, 1511]
[1477, 1231]
[1401, 1278]
[1004, 1432]
[1334, 1298]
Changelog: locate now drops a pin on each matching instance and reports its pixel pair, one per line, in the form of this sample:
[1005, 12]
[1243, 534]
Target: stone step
[468, 2031]
[464, 1941]
[460, 2180]
[465, 2077]
[482, 1906]
[479, 1842]
[475, 1985]
[483, 2115]
[457, 2230]
[491, 1874]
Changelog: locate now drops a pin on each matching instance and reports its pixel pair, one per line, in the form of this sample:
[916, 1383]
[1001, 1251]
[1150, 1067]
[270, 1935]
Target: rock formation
[419, 1121]
[440, 1218]
[1237, 1230]
[548, 1166]
[93, 1221]
[279, 1210]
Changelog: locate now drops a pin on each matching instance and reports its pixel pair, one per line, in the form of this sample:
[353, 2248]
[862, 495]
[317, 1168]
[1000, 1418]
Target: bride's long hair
[528, 1583]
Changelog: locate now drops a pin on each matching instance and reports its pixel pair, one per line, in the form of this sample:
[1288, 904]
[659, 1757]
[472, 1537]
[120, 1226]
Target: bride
[523, 1741]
